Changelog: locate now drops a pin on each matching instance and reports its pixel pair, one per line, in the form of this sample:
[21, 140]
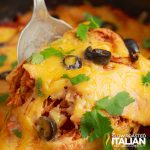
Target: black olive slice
[133, 49]
[3, 75]
[46, 128]
[109, 25]
[98, 56]
[72, 62]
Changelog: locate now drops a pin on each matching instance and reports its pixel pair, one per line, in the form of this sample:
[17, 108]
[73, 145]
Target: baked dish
[78, 91]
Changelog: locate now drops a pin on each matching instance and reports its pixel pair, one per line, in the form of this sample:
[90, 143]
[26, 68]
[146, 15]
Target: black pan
[9, 8]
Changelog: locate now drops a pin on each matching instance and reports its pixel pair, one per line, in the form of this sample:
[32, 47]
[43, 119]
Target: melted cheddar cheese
[102, 82]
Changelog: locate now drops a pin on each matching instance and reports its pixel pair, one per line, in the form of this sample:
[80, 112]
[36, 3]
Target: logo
[129, 140]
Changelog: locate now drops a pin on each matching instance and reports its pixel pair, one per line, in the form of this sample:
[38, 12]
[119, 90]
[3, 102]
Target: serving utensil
[40, 31]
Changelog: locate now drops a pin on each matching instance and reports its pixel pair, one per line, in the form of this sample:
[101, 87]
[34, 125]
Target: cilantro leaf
[146, 79]
[3, 97]
[146, 43]
[77, 79]
[14, 64]
[93, 24]
[51, 52]
[38, 85]
[95, 21]
[107, 142]
[17, 133]
[146, 147]
[115, 105]
[94, 125]
[108, 146]
[82, 31]
[65, 76]
[37, 58]
[2, 60]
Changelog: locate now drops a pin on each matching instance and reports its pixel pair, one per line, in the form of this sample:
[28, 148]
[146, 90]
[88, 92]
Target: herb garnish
[37, 58]
[51, 52]
[77, 79]
[2, 59]
[82, 30]
[146, 43]
[95, 125]
[116, 104]
[146, 79]
[145, 147]
[38, 85]
[3, 97]
[14, 64]
[95, 21]
[107, 142]
[17, 133]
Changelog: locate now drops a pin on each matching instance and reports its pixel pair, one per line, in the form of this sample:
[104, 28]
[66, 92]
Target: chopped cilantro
[65, 76]
[14, 64]
[95, 21]
[115, 105]
[146, 43]
[38, 85]
[3, 97]
[77, 79]
[37, 58]
[107, 142]
[94, 125]
[146, 79]
[51, 52]
[17, 133]
[2, 59]
[93, 24]
[82, 31]
[145, 147]
[108, 146]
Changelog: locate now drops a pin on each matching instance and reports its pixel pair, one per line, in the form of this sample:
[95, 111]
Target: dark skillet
[9, 8]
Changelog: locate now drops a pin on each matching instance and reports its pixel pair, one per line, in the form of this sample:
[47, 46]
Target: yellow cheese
[6, 33]
[102, 82]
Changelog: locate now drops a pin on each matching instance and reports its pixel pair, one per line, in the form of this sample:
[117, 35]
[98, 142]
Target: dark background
[9, 8]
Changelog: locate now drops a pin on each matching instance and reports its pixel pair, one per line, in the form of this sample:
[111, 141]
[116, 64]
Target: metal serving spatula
[41, 30]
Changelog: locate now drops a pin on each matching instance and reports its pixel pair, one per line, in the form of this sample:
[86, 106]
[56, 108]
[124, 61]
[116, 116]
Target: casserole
[100, 38]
